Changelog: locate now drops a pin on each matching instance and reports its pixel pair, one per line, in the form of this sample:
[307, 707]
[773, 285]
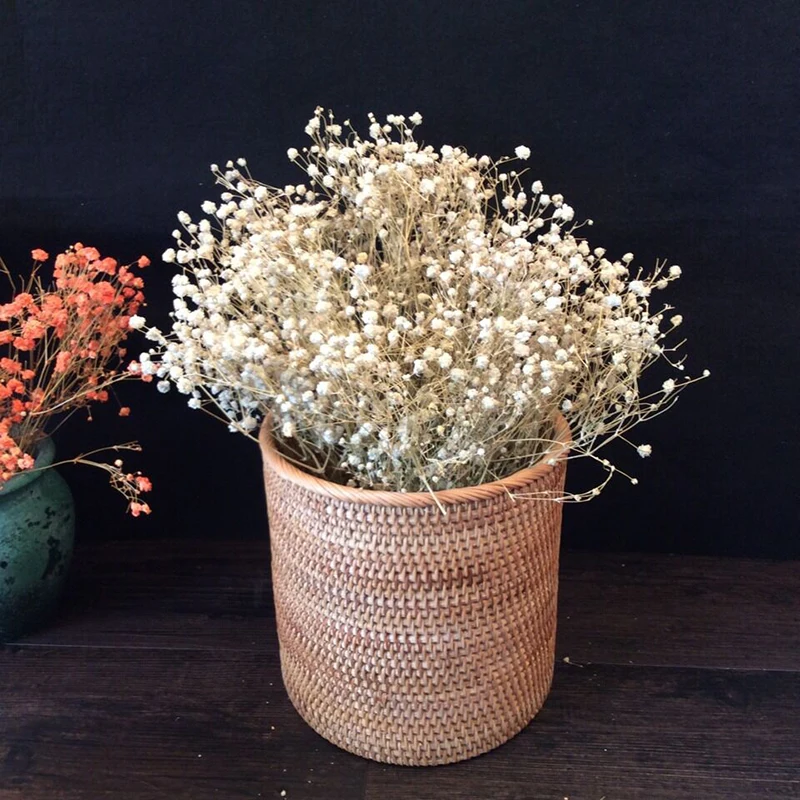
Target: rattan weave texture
[408, 636]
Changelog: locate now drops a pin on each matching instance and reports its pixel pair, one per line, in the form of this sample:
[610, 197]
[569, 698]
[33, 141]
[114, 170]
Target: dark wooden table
[676, 678]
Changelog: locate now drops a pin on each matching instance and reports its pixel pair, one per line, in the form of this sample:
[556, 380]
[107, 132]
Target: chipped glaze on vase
[37, 530]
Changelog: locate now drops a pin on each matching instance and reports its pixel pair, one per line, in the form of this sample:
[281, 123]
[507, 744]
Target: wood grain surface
[677, 678]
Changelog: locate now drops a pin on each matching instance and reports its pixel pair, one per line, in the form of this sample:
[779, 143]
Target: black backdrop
[673, 125]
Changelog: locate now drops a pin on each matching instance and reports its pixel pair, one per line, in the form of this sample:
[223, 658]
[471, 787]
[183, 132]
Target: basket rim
[273, 460]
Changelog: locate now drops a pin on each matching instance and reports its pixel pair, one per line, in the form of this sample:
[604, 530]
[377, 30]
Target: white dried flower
[456, 256]
[410, 316]
[370, 317]
[427, 186]
[644, 450]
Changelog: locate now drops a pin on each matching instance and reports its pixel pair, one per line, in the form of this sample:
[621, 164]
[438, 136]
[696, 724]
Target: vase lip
[557, 452]
[45, 452]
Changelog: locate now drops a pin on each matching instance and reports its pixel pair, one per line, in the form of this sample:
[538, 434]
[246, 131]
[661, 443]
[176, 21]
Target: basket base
[402, 754]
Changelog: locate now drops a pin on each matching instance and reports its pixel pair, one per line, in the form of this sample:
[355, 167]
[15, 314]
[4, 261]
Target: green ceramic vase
[37, 530]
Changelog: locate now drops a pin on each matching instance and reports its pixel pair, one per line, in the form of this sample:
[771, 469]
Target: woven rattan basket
[407, 636]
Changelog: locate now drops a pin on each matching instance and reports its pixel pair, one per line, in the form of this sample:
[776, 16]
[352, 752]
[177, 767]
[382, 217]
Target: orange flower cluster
[65, 352]
[132, 485]
[12, 459]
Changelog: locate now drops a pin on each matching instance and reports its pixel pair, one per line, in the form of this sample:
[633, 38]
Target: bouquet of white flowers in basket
[411, 319]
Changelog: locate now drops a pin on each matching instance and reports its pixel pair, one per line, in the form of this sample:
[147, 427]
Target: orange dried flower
[107, 265]
[139, 508]
[143, 484]
[89, 253]
[24, 344]
[65, 352]
[62, 361]
[100, 397]
[10, 366]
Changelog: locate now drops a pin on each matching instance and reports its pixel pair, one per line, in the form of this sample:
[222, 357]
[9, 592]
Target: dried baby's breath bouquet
[413, 319]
